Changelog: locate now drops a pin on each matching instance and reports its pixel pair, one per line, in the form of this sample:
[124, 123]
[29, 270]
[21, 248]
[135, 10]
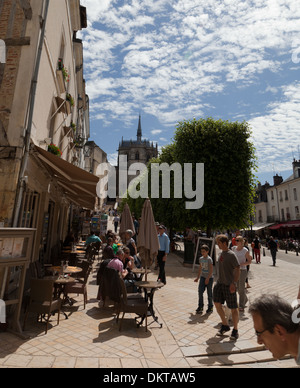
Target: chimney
[296, 168]
[277, 180]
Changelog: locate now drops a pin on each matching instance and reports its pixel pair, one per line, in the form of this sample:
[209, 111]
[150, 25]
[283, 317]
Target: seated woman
[130, 243]
[108, 252]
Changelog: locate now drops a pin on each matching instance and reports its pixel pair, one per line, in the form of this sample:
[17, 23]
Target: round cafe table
[149, 289]
[69, 269]
[141, 272]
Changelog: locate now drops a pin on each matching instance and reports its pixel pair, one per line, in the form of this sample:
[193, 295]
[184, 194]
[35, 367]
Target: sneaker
[209, 310]
[223, 330]
[234, 335]
[199, 310]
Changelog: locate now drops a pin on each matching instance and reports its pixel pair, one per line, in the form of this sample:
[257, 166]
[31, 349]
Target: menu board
[13, 247]
[210, 242]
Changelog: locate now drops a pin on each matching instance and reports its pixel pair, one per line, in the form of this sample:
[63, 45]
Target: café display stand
[15, 256]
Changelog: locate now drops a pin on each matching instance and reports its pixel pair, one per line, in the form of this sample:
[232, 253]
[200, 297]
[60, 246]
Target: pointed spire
[139, 131]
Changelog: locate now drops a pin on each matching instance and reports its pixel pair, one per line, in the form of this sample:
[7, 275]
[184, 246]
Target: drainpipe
[22, 178]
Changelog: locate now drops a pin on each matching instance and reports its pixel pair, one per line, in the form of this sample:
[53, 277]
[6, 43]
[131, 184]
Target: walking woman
[244, 259]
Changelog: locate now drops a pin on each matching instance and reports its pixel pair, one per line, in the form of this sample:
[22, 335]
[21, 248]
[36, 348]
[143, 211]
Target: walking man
[226, 288]
[273, 249]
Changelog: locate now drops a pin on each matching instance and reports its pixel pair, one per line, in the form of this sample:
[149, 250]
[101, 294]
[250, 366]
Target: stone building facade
[43, 119]
[277, 206]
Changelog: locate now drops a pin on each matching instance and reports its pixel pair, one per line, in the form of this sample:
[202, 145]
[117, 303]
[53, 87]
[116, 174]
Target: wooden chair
[41, 300]
[78, 287]
[81, 276]
[135, 304]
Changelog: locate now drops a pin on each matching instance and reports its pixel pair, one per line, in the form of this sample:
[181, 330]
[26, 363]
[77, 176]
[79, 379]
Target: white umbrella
[126, 222]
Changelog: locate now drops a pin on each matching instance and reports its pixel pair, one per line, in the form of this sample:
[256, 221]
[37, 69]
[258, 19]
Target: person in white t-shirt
[244, 259]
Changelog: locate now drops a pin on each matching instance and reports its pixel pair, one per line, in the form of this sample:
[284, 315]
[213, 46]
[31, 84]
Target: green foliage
[229, 163]
[229, 158]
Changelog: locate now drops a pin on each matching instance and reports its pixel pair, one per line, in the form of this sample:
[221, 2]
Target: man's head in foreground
[276, 325]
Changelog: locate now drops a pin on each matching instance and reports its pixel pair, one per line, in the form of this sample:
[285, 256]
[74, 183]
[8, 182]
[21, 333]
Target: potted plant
[64, 71]
[54, 149]
[70, 99]
[73, 125]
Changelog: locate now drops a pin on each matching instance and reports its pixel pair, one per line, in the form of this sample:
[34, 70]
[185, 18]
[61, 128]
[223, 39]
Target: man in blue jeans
[226, 288]
[206, 277]
[164, 248]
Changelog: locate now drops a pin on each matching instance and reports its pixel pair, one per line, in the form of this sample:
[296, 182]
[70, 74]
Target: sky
[173, 60]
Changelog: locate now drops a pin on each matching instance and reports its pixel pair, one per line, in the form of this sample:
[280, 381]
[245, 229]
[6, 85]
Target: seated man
[92, 238]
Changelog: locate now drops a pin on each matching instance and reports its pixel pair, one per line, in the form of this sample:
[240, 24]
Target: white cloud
[276, 134]
[156, 131]
[176, 58]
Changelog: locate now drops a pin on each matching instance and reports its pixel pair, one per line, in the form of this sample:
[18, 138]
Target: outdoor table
[69, 269]
[140, 271]
[149, 288]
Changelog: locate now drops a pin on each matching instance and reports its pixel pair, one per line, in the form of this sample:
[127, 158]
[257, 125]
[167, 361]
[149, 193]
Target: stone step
[256, 358]
[232, 353]
[221, 348]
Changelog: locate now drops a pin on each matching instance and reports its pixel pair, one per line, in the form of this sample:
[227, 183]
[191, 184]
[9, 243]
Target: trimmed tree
[229, 162]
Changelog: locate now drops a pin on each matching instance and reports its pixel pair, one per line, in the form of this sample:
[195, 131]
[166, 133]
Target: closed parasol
[126, 222]
[147, 243]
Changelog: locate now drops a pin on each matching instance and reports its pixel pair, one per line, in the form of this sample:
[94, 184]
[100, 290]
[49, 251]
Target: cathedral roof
[138, 142]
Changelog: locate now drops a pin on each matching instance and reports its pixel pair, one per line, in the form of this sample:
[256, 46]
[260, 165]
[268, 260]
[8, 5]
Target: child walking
[205, 275]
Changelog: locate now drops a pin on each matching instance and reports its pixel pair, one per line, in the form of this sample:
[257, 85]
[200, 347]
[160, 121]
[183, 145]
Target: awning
[288, 224]
[78, 185]
[275, 227]
[260, 226]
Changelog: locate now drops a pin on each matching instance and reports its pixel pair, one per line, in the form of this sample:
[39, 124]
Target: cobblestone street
[90, 337]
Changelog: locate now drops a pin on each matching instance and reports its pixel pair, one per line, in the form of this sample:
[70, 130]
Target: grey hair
[130, 232]
[274, 310]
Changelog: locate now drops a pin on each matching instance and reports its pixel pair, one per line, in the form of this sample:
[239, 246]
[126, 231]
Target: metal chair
[136, 305]
[79, 287]
[41, 300]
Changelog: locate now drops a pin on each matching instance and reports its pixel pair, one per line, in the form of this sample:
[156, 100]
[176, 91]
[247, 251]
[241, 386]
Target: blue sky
[172, 60]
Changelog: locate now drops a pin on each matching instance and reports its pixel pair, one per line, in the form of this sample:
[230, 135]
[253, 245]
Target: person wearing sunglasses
[277, 325]
[244, 259]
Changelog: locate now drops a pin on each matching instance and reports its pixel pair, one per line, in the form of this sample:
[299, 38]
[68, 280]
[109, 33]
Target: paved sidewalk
[90, 337]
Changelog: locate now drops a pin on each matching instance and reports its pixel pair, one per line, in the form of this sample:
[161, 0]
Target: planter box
[61, 81]
[68, 131]
[63, 105]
